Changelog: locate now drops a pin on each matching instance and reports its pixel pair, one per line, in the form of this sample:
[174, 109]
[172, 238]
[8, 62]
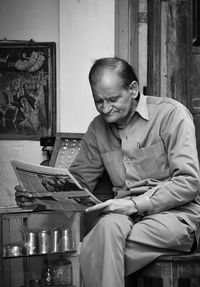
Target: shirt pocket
[152, 162]
[113, 163]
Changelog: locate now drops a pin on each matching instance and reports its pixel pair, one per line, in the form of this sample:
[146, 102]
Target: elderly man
[147, 146]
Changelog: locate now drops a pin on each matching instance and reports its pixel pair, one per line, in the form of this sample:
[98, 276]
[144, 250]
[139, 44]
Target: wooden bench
[169, 271]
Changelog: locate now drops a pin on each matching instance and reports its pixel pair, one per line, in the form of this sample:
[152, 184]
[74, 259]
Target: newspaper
[45, 181]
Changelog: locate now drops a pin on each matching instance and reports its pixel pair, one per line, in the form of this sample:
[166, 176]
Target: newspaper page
[45, 181]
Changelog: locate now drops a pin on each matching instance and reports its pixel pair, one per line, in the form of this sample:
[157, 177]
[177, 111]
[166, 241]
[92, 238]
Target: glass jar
[62, 271]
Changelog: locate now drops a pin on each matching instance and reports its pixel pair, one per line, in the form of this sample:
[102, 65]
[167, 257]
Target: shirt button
[127, 160]
[129, 183]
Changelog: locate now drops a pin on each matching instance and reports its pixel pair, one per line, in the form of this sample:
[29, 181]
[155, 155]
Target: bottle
[47, 275]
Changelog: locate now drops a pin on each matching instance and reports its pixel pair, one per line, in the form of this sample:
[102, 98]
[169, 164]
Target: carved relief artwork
[27, 90]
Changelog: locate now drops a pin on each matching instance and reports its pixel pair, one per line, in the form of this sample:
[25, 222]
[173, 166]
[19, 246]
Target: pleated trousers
[116, 246]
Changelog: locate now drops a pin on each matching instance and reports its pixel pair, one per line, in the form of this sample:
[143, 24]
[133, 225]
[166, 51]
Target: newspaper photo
[45, 181]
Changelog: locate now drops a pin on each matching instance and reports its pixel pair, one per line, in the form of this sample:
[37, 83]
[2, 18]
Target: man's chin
[110, 119]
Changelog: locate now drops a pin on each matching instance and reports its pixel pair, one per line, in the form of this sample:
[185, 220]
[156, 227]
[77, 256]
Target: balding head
[106, 68]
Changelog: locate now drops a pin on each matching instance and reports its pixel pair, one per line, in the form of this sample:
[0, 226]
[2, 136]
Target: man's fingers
[23, 194]
[21, 202]
[97, 207]
[18, 187]
[140, 189]
[24, 199]
[25, 204]
[29, 204]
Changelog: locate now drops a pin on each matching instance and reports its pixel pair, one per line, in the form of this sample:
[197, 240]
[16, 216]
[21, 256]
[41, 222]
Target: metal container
[56, 240]
[67, 242]
[44, 241]
[14, 249]
[31, 242]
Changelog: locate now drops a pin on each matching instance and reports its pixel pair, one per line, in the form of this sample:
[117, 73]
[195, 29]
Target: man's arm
[178, 135]
[88, 167]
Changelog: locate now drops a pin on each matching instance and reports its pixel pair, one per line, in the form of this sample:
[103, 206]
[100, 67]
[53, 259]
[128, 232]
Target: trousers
[116, 246]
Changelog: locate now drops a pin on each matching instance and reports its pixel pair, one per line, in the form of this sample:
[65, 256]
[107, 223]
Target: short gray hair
[123, 69]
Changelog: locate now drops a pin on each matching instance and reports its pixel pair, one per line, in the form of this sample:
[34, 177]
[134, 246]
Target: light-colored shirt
[157, 148]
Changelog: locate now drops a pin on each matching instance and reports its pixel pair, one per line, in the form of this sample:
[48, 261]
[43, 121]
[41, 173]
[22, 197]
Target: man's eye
[98, 102]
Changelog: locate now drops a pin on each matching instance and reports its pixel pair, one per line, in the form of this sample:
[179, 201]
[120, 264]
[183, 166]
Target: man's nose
[106, 108]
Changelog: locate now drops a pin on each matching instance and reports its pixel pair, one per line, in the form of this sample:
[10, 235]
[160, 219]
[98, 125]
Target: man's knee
[109, 228]
[114, 223]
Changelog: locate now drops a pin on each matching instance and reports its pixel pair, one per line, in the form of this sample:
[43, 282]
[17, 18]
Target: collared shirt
[157, 149]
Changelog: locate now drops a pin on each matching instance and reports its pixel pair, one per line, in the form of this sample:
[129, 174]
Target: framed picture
[27, 90]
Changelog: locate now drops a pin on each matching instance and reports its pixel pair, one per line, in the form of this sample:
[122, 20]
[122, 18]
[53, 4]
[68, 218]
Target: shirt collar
[142, 108]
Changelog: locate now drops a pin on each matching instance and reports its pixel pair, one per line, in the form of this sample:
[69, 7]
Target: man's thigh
[156, 235]
[163, 230]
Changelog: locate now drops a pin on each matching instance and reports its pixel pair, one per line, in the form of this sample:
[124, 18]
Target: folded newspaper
[45, 181]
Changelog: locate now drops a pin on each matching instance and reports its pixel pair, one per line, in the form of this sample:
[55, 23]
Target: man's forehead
[107, 78]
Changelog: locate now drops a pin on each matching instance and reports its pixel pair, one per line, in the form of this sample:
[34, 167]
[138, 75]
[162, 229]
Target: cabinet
[20, 270]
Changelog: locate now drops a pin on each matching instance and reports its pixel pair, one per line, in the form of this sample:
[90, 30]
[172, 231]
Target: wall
[24, 20]
[86, 33]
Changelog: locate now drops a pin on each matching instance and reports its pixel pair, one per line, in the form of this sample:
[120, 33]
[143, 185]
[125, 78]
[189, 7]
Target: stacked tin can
[62, 240]
[45, 240]
[67, 242]
[56, 240]
[30, 239]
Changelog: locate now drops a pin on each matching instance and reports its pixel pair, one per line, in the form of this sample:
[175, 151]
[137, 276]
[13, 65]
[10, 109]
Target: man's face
[112, 101]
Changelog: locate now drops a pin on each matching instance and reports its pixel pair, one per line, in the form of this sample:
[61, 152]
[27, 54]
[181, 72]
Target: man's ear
[134, 88]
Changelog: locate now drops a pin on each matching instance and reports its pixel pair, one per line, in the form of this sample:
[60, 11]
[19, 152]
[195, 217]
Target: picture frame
[196, 23]
[27, 90]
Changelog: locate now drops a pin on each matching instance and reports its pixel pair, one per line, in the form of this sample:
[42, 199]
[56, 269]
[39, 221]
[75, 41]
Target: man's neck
[129, 116]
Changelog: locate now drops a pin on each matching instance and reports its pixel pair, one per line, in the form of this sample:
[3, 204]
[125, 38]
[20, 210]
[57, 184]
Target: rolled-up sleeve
[88, 167]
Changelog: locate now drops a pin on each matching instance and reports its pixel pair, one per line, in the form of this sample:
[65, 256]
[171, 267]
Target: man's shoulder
[98, 124]
[98, 120]
[164, 101]
[167, 106]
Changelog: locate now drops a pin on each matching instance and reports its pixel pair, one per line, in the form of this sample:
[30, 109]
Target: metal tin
[56, 240]
[44, 241]
[67, 243]
[31, 243]
[4, 251]
[14, 249]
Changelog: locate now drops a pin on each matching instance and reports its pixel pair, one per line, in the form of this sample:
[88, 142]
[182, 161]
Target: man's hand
[24, 199]
[122, 205]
